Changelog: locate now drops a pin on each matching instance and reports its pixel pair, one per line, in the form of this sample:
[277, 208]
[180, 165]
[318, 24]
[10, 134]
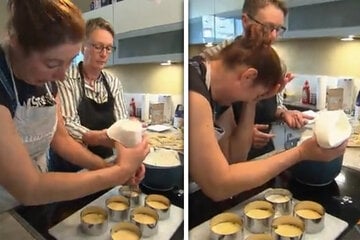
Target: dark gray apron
[265, 114]
[93, 115]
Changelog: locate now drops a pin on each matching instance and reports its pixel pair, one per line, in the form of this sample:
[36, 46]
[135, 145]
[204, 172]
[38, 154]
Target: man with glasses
[271, 15]
[91, 98]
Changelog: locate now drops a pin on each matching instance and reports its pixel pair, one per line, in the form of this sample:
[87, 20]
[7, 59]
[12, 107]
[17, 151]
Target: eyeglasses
[99, 48]
[269, 26]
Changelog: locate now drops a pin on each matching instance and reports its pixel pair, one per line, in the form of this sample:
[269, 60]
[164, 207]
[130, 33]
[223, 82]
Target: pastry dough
[258, 213]
[172, 141]
[93, 218]
[124, 234]
[144, 218]
[226, 228]
[157, 205]
[278, 198]
[288, 230]
[117, 206]
[163, 158]
[308, 214]
[354, 140]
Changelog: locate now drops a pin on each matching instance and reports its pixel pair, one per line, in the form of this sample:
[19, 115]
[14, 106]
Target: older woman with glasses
[91, 98]
[270, 14]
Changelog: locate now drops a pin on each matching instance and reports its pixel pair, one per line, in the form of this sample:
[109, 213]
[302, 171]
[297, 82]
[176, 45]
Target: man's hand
[277, 88]
[260, 137]
[295, 119]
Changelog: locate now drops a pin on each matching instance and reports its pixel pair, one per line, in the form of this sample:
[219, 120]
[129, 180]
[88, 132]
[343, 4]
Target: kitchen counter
[334, 197]
[299, 106]
[37, 220]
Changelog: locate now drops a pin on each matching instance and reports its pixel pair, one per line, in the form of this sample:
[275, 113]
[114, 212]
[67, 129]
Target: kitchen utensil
[164, 177]
[226, 226]
[260, 237]
[281, 199]
[126, 131]
[118, 208]
[94, 220]
[132, 192]
[312, 214]
[146, 219]
[258, 216]
[315, 173]
[160, 204]
[287, 227]
[125, 230]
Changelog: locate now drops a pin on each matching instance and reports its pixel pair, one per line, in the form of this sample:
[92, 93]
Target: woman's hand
[295, 119]
[310, 150]
[260, 137]
[277, 88]
[138, 177]
[131, 158]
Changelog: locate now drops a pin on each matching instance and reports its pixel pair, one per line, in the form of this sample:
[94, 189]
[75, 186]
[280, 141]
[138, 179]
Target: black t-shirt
[197, 74]
[30, 95]
[197, 82]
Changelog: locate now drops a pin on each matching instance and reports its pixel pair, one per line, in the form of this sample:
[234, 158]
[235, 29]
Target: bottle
[92, 5]
[179, 116]
[305, 99]
[97, 4]
[132, 110]
[357, 107]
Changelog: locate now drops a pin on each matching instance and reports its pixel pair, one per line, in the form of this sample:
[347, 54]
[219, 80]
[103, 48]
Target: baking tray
[333, 226]
[69, 228]
[354, 140]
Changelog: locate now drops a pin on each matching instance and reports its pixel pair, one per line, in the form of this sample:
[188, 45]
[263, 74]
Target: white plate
[158, 128]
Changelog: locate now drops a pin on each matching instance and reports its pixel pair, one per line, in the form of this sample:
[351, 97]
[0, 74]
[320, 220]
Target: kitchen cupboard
[105, 12]
[130, 15]
[145, 30]
[331, 18]
[153, 44]
[306, 18]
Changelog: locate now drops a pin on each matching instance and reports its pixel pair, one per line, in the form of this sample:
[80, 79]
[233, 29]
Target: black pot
[316, 173]
[164, 178]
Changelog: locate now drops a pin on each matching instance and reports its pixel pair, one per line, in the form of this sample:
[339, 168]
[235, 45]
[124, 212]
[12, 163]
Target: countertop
[34, 221]
[38, 219]
[341, 198]
[299, 106]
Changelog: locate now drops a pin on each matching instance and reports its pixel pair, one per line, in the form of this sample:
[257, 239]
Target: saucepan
[315, 173]
[164, 170]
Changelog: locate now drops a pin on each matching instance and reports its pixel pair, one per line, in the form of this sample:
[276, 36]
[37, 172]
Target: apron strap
[5, 77]
[103, 78]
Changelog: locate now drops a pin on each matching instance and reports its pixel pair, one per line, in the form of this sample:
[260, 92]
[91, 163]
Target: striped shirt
[211, 51]
[70, 91]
